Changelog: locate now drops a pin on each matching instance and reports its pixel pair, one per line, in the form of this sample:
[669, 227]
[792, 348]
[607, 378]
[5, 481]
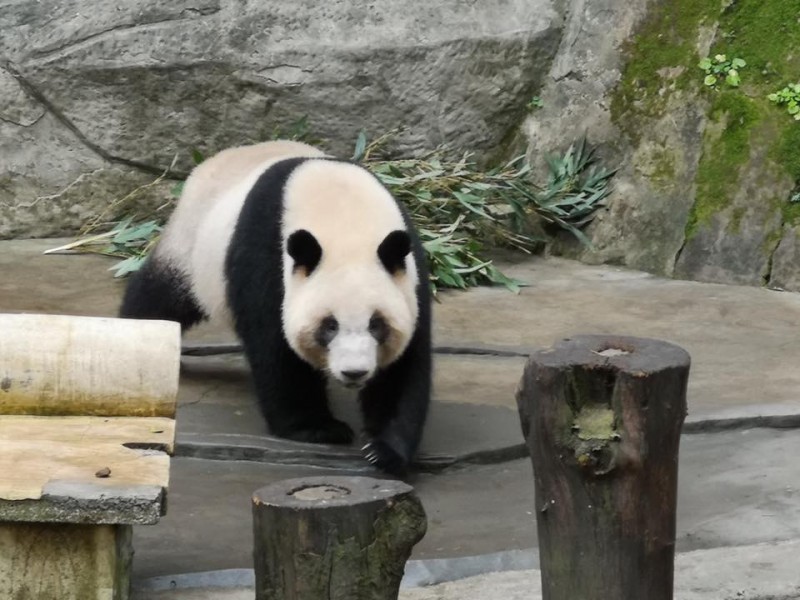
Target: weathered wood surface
[64, 562]
[334, 538]
[42, 458]
[602, 416]
[64, 365]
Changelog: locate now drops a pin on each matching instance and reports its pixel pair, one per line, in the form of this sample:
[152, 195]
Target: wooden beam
[53, 365]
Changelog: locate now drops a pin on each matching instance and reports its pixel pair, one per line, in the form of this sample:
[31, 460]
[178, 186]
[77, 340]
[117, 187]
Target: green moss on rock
[663, 168]
[791, 213]
[717, 174]
[663, 58]
[786, 151]
[660, 59]
[766, 34]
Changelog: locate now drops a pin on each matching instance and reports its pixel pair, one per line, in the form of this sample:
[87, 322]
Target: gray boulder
[97, 98]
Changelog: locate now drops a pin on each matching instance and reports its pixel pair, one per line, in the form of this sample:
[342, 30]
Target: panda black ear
[393, 251]
[304, 249]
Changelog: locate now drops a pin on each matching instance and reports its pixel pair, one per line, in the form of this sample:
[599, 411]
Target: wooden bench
[87, 424]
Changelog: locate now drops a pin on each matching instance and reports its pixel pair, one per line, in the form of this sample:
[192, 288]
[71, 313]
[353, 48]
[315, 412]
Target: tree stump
[602, 417]
[334, 538]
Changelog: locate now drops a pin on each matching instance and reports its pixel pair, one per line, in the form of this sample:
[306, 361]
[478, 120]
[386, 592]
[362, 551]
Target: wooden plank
[65, 365]
[38, 451]
[65, 562]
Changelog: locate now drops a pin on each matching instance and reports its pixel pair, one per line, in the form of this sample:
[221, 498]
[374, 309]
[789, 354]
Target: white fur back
[198, 233]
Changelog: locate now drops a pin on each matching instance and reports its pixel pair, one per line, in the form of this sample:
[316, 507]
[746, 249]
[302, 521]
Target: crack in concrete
[18, 124]
[47, 55]
[264, 450]
[39, 96]
[56, 195]
[218, 349]
[717, 425]
[285, 66]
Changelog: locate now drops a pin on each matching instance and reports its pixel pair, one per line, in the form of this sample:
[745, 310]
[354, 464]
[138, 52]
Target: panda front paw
[326, 432]
[381, 455]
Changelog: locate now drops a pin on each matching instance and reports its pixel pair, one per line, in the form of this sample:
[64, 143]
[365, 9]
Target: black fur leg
[379, 454]
[395, 405]
[160, 291]
[291, 392]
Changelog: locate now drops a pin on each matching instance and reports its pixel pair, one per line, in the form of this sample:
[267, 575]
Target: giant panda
[320, 273]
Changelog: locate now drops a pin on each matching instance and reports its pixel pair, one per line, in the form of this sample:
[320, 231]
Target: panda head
[350, 304]
[350, 321]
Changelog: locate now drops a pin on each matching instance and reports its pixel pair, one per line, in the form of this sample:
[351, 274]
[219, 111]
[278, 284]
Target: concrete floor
[735, 488]
[739, 485]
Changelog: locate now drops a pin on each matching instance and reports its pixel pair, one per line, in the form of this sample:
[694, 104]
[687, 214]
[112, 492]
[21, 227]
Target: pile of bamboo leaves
[460, 211]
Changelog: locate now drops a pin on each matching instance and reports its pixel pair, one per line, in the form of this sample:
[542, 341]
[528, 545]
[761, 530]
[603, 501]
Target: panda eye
[378, 328]
[327, 330]
[330, 324]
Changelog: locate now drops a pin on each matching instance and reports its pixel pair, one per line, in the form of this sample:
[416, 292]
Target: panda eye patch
[379, 328]
[327, 330]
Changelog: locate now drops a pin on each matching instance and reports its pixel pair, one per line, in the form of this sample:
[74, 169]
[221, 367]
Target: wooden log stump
[334, 538]
[602, 416]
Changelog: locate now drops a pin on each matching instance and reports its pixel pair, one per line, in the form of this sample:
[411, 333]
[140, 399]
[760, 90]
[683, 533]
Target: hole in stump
[608, 352]
[319, 492]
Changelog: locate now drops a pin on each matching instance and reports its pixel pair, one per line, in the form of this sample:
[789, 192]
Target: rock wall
[96, 97]
[706, 176]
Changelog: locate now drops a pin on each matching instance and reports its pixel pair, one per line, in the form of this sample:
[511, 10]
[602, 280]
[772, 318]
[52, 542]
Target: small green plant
[576, 188]
[534, 103]
[722, 68]
[790, 96]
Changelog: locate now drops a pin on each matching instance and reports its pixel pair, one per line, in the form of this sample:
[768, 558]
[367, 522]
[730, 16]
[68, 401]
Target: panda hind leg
[161, 291]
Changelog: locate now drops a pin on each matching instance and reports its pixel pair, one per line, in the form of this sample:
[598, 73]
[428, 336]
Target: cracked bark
[334, 538]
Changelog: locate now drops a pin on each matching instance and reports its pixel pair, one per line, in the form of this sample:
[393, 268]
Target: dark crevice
[219, 349]
[31, 124]
[767, 278]
[148, 446]
[678, 254]
[37, 95]
[423, 463]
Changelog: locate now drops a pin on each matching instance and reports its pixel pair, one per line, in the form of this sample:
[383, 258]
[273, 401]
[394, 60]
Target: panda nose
[354, 375]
